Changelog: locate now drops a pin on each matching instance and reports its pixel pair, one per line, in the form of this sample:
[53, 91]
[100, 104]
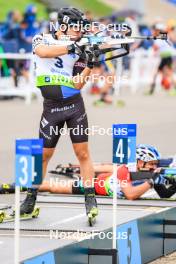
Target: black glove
[157, 179]
[90, 60]
[76, 48]
[92, 55]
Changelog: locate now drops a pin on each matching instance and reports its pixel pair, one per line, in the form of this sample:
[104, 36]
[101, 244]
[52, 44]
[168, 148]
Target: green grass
[6, 6]
[95, 6]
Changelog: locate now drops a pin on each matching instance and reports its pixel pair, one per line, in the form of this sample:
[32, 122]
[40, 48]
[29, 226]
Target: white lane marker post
[124, 152]
[28, 172]
[17, 224]
[114, 245]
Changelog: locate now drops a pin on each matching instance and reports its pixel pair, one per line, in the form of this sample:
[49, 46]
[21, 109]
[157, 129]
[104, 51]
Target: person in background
[166, 52]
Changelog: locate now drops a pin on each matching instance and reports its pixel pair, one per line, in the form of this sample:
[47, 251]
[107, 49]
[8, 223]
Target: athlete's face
[151, 165]
[74, 32]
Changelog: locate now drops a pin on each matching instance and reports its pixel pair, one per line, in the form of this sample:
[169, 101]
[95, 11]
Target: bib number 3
[59, 63]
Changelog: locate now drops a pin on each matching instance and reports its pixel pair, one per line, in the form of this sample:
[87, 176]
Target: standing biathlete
[63, 103]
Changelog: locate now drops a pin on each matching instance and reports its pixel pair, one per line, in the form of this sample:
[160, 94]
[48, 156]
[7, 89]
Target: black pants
[56, 113]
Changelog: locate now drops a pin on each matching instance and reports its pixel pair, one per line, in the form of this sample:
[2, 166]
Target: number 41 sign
[124, 143]
[29, 162]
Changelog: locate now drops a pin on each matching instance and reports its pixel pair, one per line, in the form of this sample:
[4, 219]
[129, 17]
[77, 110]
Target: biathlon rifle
[116, 43]
[168, 173]
[98, 44]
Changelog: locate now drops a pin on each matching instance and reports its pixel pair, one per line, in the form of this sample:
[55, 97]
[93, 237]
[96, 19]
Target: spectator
[31, 26]
[11, 26]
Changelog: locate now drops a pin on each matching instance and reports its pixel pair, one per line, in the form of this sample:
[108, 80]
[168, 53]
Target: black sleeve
[79, 66]
[165, 192]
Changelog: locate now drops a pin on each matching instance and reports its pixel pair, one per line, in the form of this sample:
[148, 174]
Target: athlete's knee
[82, 155]
[47, 154]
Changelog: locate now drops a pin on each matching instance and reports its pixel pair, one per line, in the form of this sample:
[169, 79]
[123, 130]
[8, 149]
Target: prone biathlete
[148, 159]
[63, 103]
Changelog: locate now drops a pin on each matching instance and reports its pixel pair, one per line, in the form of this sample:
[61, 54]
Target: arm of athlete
[130, 192]
[80, 79]
[56, 187]
[103, 167]
[165, 192]
[45, 51]
[135, 192]
[41, 49]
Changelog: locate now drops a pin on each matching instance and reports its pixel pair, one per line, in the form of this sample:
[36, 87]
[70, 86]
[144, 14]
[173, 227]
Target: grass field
[7, 6]
[95, 6]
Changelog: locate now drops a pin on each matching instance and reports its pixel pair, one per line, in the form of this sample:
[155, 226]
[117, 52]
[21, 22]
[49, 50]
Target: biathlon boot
[27, 206]
[91, 205]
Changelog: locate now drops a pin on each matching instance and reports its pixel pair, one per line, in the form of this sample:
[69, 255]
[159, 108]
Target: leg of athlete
[50, 138]
[86, 166]
[87, 173]
[56, 187]
[152, 87]
[167, 78]
[47, 154]
[28, 204]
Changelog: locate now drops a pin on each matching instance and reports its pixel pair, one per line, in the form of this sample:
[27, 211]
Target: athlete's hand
[76, 48]
[159, 179]
[157, 170]
[92, 55]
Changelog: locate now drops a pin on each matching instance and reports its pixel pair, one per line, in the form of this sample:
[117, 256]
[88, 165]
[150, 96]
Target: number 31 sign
[124, 143]
[29, 162]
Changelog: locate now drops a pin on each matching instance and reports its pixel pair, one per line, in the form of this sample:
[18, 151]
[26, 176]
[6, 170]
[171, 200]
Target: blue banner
[124, 130]
[132, 150]
[129, 248]
[23, 171]
[120, 150]
[28, 162]
[47, 258]
[124, 143]
[29, 146]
